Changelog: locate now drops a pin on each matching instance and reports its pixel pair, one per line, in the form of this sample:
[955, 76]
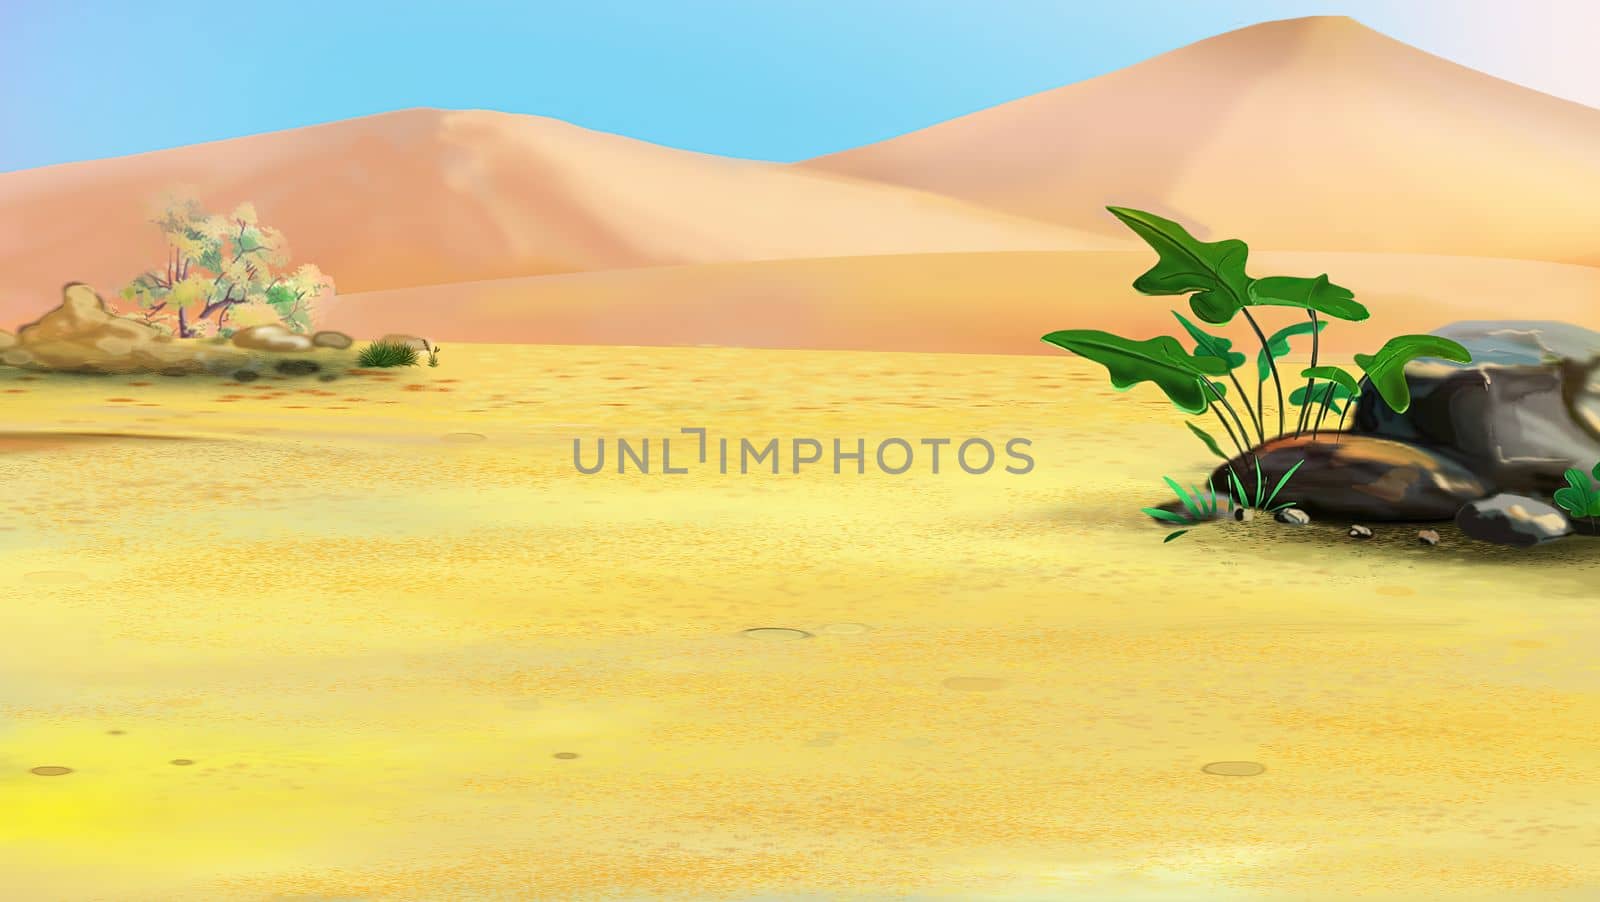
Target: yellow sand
[373, 635]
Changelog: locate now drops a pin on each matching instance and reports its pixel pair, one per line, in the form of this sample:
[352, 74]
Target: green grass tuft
[386, 354]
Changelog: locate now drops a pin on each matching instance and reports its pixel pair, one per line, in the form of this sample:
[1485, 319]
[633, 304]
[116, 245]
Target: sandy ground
[377, 639]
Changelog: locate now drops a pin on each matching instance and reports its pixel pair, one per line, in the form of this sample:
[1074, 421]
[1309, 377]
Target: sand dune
[969, 303]
[426, 197]
[1413, 180]
[1306, 134]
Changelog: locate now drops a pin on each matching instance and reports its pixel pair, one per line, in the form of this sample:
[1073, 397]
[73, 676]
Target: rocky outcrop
[1524, 410]
[1361, 477]
[82, 335]
[1512, 520]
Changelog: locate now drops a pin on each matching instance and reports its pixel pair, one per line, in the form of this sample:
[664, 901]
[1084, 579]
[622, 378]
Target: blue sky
[769, 79]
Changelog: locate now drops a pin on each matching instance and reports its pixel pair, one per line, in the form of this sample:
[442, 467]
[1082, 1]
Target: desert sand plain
[377, 639]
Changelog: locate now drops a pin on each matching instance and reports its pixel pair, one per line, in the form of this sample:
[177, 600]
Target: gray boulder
[1524, 410]
[1512, 520]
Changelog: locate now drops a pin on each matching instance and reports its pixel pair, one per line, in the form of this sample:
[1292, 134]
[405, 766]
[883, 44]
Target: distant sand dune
[969, 303]
[1415, 181]
[1305, 134]
[427, 197]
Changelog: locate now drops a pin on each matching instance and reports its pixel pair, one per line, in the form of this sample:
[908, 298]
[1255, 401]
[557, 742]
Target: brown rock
[1428, 537]
[1362, 477]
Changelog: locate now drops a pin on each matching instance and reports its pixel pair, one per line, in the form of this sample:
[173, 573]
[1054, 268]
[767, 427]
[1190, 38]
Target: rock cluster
[83, 335]
[1484, 444]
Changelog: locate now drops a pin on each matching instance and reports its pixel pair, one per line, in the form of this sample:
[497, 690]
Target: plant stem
[1255, 419]
[1224, 421]
[1276, 382]
[1327, 400]
[1228, 407]
[1305, 410]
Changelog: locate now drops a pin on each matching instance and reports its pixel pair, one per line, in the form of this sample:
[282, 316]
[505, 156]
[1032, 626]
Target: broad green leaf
[1160, 360]
[1386, 369]
[1299, 397]
[1205, 436]
[1279, 344]
[1212, 272]
[1310, 294]
[1333, 374]
[1208, 345]
[1579, 498]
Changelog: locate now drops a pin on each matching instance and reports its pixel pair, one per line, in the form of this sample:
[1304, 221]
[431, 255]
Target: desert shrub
[387, 354]
[222, 273]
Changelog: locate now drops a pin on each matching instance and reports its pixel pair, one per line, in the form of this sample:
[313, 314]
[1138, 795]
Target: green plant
[1260, 499]
[433, 354]
[1198, 507]
[1580, 498]
[1213, 277]
[387, 354]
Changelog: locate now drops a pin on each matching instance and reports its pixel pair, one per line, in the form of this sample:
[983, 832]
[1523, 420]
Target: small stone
[566, 756]
[182, 762]
[298, 367]
[1428, 537]
[1512, 520]
[1360, 532]
[50, 771]
[336, 340]
[271, 338]
[328, 377]
[1243, 514]
[412, 341]
[246, 376]
[1293, 516]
